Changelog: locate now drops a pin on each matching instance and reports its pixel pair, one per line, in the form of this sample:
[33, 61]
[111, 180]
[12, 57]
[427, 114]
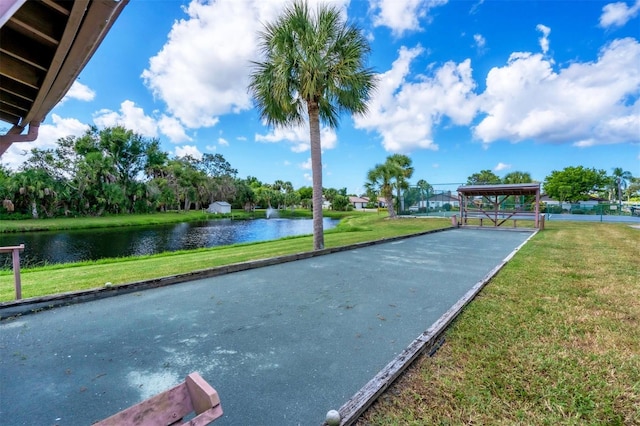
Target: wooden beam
[58, 6]
[21, 72]
[36, 20]
[99, 17]
[25, 49]
[20, 104]
[66, 41]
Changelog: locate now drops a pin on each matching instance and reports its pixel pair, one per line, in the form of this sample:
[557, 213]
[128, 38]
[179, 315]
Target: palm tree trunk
[34, 210]
[390, 208]
[316, 171]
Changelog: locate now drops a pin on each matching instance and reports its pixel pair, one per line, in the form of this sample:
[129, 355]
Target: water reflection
[92, 244]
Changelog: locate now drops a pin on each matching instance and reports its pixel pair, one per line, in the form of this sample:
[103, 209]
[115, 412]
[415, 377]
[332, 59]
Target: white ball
[333, 418]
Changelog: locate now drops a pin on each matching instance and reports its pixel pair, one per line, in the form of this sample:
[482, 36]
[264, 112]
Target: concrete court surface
[282, 344]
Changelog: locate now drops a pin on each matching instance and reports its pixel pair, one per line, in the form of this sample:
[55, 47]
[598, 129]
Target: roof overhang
[44, 45]
[497, 190]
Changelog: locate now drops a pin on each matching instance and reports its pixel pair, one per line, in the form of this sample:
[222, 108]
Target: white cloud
[402, 15]
[475, 7]
[171, 127]
[190, 150]
[404, 112]
[527, 99]
[544, 40]
[130, 116]
[480, 40]
[298, 137]
[203, 69]
[501, 166]
[48, 136]
[133, 118]
[306, 165]
[80, 92]
[618, 14]
[223, 142]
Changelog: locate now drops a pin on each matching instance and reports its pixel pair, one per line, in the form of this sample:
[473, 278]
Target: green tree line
[115, 171]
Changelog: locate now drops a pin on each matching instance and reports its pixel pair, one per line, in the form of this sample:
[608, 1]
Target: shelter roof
[502, 189]
[44, 45]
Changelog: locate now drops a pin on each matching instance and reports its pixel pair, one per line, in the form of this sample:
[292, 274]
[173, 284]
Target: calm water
[73, 246]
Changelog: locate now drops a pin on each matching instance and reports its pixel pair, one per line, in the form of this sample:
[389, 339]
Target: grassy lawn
[52, 279]
[553, 339]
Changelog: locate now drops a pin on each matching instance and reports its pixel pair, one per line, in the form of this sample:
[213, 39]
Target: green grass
[554, 339]
[53, 279]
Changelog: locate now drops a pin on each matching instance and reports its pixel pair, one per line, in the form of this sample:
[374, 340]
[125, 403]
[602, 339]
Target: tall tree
[426, 190]
[574, 184]
[621, 179]
[485, 177]
[405, 171]
[517, 177]
[380, 182]
[313, 68]
[392, 175]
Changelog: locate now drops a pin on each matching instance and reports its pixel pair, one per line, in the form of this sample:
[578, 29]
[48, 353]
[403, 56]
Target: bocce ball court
[281, 344]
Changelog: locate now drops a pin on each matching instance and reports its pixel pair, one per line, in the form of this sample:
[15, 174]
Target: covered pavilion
[488, 201]
[44, 45]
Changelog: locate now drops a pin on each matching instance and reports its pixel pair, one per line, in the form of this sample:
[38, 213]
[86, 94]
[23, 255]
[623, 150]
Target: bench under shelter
[491, 202]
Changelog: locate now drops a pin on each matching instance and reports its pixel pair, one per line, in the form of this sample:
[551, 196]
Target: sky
[463, 86]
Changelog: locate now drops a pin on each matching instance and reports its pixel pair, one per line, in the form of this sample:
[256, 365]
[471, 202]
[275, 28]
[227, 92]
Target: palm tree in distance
[390, 175]
[313, 68]
[620, 179]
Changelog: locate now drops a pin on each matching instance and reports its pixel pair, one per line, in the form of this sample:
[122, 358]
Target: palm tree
[517, 177]
[313, 68]
[380, 181]
[404, 173]
[424, 187]
[621, 179]
[390, 175]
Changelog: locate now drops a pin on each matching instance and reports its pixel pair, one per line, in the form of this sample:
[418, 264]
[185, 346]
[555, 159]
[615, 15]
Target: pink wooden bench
[171, 406]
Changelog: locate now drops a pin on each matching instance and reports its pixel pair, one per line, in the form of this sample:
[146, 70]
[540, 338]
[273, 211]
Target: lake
[91, 244]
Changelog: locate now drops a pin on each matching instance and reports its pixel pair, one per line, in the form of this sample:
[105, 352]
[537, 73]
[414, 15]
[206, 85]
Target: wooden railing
[15, 254]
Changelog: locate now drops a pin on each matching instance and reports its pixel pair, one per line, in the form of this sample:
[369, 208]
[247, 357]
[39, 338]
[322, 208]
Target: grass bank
[553, 339]
[53, 279]
[87, 222]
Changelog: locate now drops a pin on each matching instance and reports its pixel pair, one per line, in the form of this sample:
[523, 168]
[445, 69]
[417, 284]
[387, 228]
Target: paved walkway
[281, 344]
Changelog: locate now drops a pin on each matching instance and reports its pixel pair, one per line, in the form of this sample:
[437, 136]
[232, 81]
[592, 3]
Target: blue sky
[529, 86]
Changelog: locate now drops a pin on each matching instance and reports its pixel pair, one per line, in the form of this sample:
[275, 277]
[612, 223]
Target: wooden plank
[9, 249]
[21, 72]
[205, 418]
[203, 396]
[35, 20]
[25, 49]
[163, 409]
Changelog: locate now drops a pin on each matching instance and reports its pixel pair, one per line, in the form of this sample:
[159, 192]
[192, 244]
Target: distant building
[437, 201]
[359, 203]
[219, 207]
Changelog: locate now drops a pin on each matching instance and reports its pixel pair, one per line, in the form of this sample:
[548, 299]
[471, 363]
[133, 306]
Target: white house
[437, 201]
[219, 207]
[359, 203]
